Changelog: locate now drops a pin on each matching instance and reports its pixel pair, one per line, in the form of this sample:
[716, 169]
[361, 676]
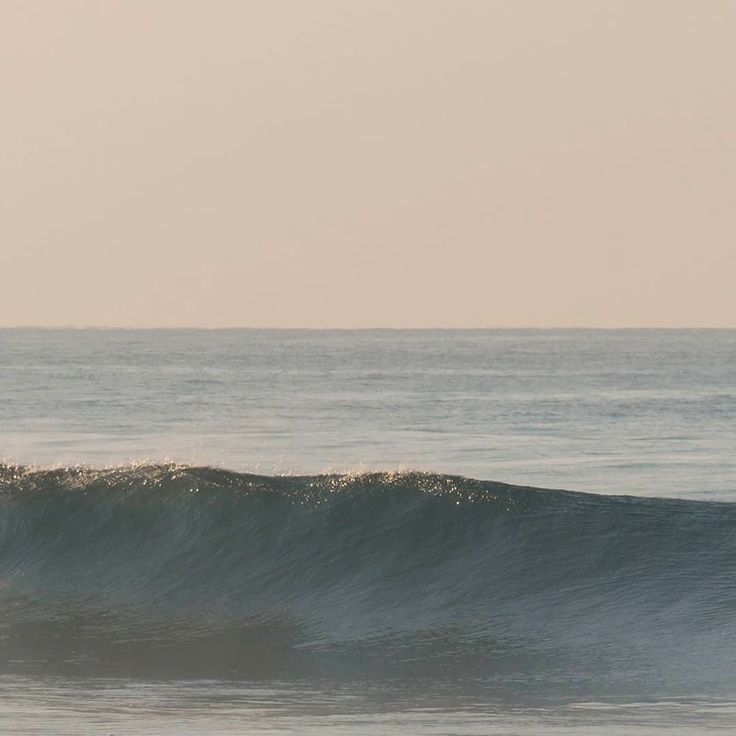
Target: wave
[197, 572]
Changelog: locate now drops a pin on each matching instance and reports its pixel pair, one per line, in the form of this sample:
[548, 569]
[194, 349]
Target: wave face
[196, 572]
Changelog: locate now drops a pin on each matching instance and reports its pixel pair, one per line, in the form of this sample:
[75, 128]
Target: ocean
[367, 532]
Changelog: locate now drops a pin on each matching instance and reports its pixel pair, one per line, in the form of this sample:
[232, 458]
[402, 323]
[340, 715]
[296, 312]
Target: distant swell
[196, 572]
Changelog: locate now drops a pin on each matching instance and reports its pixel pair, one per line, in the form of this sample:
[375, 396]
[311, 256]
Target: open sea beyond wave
[172, 595]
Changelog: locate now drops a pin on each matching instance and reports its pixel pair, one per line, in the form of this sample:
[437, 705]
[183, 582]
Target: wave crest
[198, 571]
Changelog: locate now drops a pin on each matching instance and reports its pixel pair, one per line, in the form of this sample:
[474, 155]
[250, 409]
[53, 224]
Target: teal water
[217, 532]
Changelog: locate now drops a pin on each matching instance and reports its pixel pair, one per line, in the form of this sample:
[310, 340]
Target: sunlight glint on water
[168, 599]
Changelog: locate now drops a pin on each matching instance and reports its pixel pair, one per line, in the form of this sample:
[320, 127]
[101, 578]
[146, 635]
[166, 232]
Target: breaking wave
[182, 571]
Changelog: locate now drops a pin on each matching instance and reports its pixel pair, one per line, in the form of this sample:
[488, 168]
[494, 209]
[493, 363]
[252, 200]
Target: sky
[372, 163]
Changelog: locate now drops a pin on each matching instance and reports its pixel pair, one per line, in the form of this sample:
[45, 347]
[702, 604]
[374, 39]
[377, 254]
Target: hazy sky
[356, 163]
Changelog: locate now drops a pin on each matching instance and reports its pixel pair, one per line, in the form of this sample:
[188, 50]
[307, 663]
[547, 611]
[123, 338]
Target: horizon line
[375, 328]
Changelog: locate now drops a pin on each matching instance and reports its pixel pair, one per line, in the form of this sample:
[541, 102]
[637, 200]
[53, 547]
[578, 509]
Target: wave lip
[187, 571]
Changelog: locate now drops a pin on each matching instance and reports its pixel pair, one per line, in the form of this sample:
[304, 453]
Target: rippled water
[124, 708]
[647, 412]
[156, 598]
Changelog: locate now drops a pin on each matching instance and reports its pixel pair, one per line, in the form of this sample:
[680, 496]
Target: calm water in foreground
[201, 575]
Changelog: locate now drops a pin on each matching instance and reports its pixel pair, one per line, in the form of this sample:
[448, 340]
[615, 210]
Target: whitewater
[218, 532]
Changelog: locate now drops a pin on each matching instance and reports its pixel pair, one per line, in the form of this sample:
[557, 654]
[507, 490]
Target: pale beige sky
[354, 163]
